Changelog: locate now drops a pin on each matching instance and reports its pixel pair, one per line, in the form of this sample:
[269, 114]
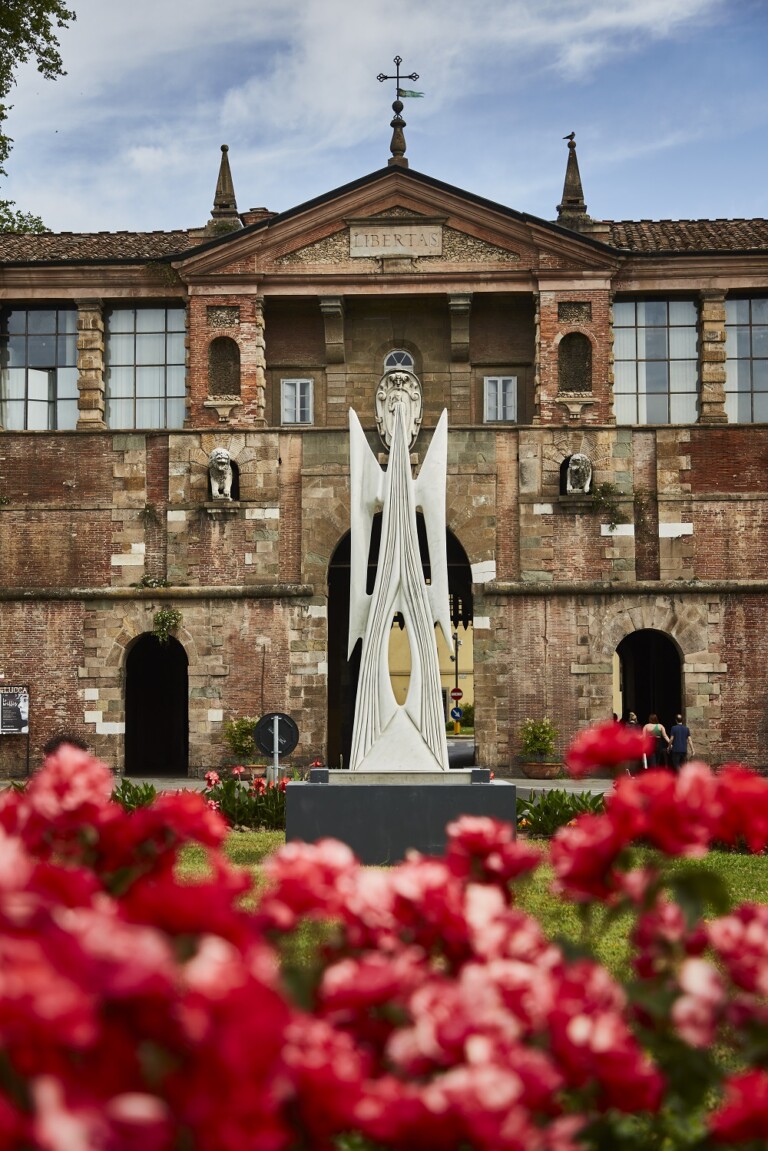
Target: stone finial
[224, 216]
[572, 211]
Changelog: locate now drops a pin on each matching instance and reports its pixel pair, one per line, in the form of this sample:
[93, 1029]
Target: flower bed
[141, 1012]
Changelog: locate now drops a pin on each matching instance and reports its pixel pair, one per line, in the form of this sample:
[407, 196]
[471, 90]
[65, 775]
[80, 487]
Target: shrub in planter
[537, 739]
[238, 736]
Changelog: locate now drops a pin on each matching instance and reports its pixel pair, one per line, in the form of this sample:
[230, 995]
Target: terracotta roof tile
[689, 235]
[641, 236]
[103, 246]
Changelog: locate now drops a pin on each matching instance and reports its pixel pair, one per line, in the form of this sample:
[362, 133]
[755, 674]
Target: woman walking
[657, 757]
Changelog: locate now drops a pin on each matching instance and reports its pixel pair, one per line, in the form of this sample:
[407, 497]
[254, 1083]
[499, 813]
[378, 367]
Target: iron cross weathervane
[397, 145]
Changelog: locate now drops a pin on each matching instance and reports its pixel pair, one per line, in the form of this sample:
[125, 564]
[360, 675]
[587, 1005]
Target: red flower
[743, 813]
[743, 1114]
[583, 855]
[606, 745]
[485, 849]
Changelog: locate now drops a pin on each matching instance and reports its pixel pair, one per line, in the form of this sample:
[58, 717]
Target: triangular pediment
[396, 220]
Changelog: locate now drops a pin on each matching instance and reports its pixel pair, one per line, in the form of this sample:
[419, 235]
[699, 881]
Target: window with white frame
[145, 364]
[296, 401]
[500, 399]
[656, 371]
[398, 358]
[38, 368]
[746, 365]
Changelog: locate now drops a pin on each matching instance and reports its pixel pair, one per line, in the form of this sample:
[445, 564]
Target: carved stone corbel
[459, 306]
[332, 308]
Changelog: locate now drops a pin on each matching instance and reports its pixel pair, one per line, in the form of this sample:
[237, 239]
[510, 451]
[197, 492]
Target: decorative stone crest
[399, 389]
[220, 471]
[579, 475]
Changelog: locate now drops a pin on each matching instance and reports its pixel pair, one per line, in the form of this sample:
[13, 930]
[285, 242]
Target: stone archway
[651, 676]
[156, 708]
[343, 673]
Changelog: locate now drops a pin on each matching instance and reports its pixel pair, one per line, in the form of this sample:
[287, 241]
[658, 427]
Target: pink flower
[695, 1013]
[212, 778]
[238, 771]
[740, 940]
[606, 745]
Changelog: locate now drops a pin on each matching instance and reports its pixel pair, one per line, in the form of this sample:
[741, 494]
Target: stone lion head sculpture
[220, 471]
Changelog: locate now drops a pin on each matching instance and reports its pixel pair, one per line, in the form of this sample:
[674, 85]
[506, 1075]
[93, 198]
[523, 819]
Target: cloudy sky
[668, 99]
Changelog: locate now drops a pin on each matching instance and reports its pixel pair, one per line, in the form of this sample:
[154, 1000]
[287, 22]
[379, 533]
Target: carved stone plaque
[400, 238]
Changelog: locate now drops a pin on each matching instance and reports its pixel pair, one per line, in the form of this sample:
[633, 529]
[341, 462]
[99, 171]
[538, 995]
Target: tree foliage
[28, 31]
[12, 220]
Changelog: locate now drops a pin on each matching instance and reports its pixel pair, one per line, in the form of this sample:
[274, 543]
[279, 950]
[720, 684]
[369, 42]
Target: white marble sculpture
[579, 474]
[388, 736]
[220, 471]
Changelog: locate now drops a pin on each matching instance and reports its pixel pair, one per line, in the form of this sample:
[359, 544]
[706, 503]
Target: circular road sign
[456, 693]
[287, 734]
[456, 713]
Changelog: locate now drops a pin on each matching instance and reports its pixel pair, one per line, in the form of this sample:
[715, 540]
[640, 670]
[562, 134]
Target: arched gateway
[156, 708]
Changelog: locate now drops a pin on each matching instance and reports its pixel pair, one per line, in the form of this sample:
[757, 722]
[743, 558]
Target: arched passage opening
[650, 676]
[156, 708]
[343, 673]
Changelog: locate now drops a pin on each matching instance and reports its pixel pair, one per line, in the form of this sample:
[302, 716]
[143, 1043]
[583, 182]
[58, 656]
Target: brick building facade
[126, 358]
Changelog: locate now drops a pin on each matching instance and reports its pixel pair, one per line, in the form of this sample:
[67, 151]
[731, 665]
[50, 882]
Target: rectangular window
[500, 399]
[38, 368]
[145, 367]
[746, 365]
[296, 401]
[656, 373]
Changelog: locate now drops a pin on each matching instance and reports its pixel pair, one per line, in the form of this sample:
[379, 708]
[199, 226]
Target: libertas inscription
[402, 238]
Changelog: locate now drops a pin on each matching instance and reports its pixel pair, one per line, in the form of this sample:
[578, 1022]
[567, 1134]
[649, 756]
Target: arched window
[398, 358]
[223, 367]
[574, 363]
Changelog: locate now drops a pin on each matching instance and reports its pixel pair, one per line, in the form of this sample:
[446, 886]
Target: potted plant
[537, 748]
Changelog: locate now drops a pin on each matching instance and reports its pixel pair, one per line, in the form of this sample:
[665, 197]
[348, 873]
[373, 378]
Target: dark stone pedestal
[382, 821]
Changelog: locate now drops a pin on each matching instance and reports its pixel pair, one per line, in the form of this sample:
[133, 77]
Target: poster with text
[14, 710]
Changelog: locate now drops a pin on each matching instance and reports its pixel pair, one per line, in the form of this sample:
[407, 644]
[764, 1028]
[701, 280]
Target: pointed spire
[224, 216]
[572, 211]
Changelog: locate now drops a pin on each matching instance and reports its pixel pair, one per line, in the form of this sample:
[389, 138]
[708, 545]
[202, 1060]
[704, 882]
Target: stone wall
[87, 515]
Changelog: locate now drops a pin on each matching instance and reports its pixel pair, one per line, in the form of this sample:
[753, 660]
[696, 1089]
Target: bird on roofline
[570, 136]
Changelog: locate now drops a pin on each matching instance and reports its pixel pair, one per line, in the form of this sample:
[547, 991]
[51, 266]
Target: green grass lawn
[746, 876]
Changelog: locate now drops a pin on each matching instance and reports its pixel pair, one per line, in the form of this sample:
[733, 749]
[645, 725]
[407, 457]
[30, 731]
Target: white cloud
[131, 134]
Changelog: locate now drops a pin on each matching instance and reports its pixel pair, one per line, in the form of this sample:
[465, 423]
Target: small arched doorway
[156, 708]
[650, 676]
[342, 672]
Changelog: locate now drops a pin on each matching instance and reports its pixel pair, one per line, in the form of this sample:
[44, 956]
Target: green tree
[12, 220]
[27, 31]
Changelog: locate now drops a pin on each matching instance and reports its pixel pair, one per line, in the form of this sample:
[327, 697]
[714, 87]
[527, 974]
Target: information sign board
[14, 710]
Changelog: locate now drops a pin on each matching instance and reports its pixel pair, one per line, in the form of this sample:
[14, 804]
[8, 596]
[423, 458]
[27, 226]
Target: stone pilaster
[712, 358]
[260, 361]
[90, 366]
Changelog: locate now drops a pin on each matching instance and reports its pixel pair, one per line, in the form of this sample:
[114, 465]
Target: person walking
[657, 757]
[681, 745]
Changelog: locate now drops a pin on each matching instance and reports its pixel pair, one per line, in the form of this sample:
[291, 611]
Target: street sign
[287, 734]
[456, 713]
[456, 693]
